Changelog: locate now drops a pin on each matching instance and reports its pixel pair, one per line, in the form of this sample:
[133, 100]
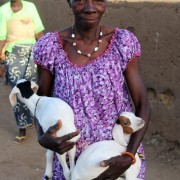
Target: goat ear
[34, 86]
[118, 134]
[12, 96]
[141, 123]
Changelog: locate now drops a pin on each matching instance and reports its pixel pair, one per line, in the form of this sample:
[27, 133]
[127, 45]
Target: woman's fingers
[70, 136]
[66, 147]
[53, 129]
[109, 162]
[60, 145]
[64, 143]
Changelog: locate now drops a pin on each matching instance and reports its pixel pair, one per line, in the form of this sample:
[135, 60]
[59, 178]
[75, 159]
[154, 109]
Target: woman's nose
[89, 6]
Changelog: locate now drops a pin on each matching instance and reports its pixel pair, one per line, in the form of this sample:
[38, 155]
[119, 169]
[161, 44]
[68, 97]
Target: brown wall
[156, 24]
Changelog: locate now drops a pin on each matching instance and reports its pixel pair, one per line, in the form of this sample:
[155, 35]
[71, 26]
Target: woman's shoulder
[65, 33]
[49, 37]
[28, 4]
[118, 34]
[127, 43]
[125, 34]
[47, 42]
[30, 8]
[5, 7]
[119, 31]
[45, 49]
[50, 34]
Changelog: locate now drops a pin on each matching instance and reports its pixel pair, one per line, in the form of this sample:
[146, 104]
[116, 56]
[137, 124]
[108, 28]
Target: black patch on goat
[25, 89]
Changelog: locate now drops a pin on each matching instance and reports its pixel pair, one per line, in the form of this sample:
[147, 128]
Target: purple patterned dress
[96, 91]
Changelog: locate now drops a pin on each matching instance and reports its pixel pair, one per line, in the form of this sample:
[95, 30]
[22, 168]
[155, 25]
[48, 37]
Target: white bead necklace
[94, 49]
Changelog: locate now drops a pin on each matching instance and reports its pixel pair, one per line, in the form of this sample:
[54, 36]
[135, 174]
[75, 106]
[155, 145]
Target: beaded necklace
[94, 49]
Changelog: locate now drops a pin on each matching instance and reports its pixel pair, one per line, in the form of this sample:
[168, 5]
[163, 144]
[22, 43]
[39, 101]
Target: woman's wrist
[129, 155]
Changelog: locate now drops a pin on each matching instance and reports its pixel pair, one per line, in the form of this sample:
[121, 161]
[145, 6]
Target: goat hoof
[47, 178]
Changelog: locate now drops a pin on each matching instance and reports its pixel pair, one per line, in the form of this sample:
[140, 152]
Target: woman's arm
[39, 35]
[2, 66]
[48, 139]
[45, 82]
[140, 99]
[2, 43]
[2, 70]
[118, 165]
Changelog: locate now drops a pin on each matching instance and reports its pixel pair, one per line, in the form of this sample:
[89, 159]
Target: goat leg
[62, 160]
[49, 164]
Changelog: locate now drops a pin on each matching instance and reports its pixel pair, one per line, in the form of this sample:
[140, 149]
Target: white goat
[88, 164]
[48, 110]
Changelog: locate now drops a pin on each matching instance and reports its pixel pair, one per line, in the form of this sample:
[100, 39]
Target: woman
[94, 69]
[20, 26]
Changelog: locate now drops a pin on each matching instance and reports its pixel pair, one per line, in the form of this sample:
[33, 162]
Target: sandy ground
[27, 161]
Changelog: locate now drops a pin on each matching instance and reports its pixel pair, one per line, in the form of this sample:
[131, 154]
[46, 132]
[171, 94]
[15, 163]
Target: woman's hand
[2, 70]
[117, 166]
[49, 140]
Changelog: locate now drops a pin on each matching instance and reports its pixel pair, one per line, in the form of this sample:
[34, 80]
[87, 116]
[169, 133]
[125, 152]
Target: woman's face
[88, 13]
[12, 1]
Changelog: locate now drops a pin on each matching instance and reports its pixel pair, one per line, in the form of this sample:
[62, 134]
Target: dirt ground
[27, 161]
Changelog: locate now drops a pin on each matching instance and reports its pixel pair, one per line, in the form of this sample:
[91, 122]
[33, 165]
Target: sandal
[31, 126]
[19, 139]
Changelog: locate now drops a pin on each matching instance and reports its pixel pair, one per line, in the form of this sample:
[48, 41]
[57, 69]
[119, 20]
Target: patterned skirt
[20, 65]
[58, 173]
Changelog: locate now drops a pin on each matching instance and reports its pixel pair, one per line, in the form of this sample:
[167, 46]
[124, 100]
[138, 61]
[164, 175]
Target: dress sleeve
[45, 52]
[37, 20]
[129, 47]
[3, 27]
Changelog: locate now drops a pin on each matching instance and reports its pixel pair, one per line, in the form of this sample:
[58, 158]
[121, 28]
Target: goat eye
[126, 122]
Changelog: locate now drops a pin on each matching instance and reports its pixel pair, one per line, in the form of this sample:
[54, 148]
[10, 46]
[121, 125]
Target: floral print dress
[96, 91]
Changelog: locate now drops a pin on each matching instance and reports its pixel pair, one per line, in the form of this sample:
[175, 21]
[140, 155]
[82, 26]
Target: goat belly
[88, 164]
[50, 110]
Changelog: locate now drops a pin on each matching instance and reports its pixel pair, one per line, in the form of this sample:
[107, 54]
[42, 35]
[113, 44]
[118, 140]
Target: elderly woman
[20, 27]
[94, 68]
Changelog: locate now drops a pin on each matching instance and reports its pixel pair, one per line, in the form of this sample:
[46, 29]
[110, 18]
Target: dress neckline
[93, 60]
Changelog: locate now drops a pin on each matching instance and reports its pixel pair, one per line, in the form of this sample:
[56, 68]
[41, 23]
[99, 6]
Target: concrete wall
[156, 24]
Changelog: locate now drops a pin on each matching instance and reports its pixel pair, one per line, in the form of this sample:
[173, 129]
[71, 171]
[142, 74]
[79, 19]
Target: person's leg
[19, 139]
[22, 132]
[18, 68]
[23, 119]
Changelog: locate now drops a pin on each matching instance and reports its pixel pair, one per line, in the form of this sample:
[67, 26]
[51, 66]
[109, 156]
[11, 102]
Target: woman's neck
[87, 34]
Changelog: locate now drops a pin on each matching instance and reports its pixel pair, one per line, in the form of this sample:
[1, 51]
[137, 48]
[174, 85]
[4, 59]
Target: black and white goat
[48, 110]
[88, 164]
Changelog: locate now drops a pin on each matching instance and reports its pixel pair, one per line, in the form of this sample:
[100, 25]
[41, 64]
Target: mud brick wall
[156, 23]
